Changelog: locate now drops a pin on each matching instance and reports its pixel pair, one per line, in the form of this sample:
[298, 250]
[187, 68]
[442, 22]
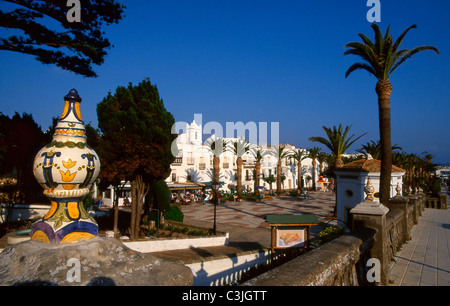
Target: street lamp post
[215, 187]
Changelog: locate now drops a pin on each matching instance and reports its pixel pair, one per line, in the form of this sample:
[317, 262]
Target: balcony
[178, 160]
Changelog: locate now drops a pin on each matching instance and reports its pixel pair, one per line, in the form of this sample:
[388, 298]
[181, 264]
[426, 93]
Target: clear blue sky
[261, 61]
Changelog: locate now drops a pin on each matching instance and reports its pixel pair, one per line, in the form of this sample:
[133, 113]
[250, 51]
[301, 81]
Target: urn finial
[369, 190]
[73, 96]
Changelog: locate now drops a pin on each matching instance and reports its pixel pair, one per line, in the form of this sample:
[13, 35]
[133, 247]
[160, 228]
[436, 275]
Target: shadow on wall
[234, 270]
[21, 212]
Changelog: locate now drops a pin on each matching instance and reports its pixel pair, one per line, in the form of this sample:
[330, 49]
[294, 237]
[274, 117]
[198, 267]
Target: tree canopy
[41, 28]
[20, 139]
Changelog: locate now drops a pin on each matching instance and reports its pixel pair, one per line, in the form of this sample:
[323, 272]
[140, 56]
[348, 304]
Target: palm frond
[363, 66]
[379, 42]
[409, 54]
[366, 40]
[399, 39]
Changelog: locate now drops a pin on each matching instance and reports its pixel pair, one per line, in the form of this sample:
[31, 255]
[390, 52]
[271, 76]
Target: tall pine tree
[136, 139]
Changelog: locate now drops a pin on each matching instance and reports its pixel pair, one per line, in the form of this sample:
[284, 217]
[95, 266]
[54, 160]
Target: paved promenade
[250, 214]
[425, 259]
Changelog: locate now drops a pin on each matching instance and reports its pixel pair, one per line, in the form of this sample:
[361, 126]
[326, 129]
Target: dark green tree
[42, 28]
[21, 139]
[136, 136]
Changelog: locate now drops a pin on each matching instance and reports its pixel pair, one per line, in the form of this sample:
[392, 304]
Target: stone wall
[395, 233]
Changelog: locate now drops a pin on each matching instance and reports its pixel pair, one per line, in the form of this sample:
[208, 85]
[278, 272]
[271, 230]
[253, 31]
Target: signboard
[291, 230]
[287, 237]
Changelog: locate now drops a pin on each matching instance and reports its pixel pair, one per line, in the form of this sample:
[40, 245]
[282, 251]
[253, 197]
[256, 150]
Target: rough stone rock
[98, 261]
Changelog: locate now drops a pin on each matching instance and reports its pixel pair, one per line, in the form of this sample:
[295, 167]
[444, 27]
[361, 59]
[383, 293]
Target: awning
[184, 185]
[209, 184]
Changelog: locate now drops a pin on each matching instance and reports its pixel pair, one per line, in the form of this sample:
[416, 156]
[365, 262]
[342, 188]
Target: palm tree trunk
[338, 163]
[314, 174]
[216, 164]
[279, 177]
[384, 90]
[216, 167]
[257, 173]
[239, 176]
[299, 174]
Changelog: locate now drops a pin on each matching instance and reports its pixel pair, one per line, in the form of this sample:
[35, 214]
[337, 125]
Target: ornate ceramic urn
[66, 168]
[369, 190]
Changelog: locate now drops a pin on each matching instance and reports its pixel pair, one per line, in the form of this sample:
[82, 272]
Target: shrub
[329, 233]
[174, 213]
[160, 195]
[251, 197]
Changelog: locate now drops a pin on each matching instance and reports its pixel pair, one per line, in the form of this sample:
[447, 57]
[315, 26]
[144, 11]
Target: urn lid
[70, 125]
[73, 96]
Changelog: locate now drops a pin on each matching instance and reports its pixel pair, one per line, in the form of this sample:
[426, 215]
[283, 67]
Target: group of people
[188, 197]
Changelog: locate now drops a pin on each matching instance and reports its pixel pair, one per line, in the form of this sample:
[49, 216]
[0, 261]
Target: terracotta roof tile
[367, 165]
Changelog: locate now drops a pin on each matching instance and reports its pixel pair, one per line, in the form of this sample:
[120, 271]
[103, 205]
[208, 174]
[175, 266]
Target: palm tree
[322, 158]
[337, 142]
[269, 180]
[299, 155]
[374, 149]
[259, 154]
[239, 147]
[216, 146]
[279, 152]
[313, 153]
[429, 166]
[381, 58]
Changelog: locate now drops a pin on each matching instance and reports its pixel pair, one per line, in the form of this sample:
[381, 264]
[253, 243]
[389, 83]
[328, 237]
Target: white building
[351, 180]
[194, 163]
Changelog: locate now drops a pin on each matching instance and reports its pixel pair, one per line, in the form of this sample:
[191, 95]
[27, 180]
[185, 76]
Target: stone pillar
[443, 200]
[401, 203]
[414, 201]
[371, 214]
[432, 202]
[421, 197]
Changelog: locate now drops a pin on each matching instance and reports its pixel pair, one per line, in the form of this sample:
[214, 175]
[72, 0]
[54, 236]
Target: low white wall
[226, 271]
[175, 244]
[34, 211]
[25, 212]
